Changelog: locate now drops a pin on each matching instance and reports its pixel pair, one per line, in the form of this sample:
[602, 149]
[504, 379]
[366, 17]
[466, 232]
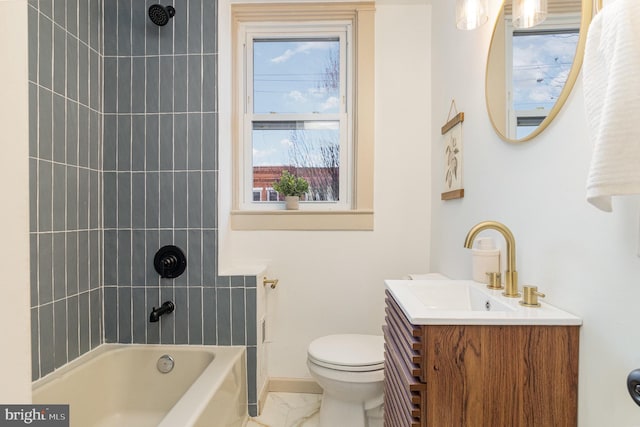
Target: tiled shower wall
[65, 63]
[160, 182]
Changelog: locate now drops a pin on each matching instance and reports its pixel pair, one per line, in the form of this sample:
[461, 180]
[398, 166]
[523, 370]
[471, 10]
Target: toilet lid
[348, 352]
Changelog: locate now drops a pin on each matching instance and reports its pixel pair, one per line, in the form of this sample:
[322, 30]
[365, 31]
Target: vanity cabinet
[479, 375]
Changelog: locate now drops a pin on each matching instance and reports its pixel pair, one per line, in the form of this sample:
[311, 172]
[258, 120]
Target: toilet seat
[348, 352]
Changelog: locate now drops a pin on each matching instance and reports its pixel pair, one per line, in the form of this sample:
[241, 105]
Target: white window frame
[249, 32]
[357, 214]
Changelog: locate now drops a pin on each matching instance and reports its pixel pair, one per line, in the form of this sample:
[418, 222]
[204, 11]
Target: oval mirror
[530, 72]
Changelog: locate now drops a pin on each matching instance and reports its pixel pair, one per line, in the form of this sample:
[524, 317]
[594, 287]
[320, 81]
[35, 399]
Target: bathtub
[120, 385]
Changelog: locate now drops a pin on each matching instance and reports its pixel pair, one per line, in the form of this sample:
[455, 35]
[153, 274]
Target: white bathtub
[119, 385]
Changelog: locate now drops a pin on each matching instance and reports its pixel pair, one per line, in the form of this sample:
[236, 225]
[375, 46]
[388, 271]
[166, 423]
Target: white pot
[292, 202]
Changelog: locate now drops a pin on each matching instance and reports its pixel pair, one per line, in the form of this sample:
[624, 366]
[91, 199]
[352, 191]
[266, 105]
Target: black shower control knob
[170, 262]
[633, 385]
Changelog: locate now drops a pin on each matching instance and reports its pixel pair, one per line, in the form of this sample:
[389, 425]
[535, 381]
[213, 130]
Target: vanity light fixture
[529, 13]
[470, 14]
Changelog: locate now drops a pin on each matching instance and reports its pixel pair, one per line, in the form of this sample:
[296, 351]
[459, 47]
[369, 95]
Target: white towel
[611, 77]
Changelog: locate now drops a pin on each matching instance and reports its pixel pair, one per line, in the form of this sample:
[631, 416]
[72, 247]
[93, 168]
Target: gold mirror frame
[587, 10]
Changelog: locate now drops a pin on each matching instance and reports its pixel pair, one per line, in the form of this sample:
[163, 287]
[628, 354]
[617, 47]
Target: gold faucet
[510, 275]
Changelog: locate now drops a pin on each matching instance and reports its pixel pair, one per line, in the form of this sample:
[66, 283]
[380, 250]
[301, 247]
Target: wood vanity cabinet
[476, 375]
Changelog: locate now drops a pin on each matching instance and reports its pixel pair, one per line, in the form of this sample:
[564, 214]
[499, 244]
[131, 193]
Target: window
[303, 83]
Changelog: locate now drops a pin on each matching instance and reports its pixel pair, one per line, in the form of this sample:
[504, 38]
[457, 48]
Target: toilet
[350, 370]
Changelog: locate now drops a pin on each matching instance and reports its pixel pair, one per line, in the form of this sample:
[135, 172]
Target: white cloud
[296, 95]
[331, 102]
[300, 48]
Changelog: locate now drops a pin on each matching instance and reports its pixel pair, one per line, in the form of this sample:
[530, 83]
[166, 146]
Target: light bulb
[470, 14]
[529, 13]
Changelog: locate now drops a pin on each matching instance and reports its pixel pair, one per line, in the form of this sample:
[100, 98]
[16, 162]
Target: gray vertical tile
[94, 80]
[195, 316]
[110, 313]
[237, 281]
[45, 51]
[124, 143]
[222, 281]
[238, 336]
[180, 27]
[35, 345]
[138, 27]
[73, 328]
[153, 84]
[166, 84]
[33, 269]
[72, 16]
[83, 199]
[109, 142]
[95, 132]
[83, 21]
[72, 133]
[152, 200]
[209, 80]
[33, 119]
[195, 258]
[250, 281]
[124, 200]
[59, 128]
[138, 84]
[252, 362]
[252, 409]
[59, 60]
[94, 199]
[83, 73]
[46, 7]
[33, 195]
[60, 332]
[124, 27]
[124, 315]
[209, 198]
[110, 77]
[45, 268]
[138, 258]
[152, 238]
[180, 199]
[209, 326]
[110, 257]
[195, 83]
[139, 315]
[153, 329]
[45, 125]
[195, 141]
[83, 136]
[181, 315]
[251, 313]
[208, 258]
[33, 44]
[95, 17]
[137, 142]
[180, 141]
[72, 263]
[47, 349]
[83, 261]
[137, 200]
[84, 330]
[110, 19]
[152, 142]
[110, 204]
[60, 12]
[181, 240]
[152, 33]
[59, 265]
[72, 67]
[195, 26]
[167, 323]
[124, 85]
[166, 199]
[124, 258]
[165, 38]
[181, 71]
[95, 316]
[209, 27]
[223, 321]
[195, 200]
[95, 245]
[59, 196]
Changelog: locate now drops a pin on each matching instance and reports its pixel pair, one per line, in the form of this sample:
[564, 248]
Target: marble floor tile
[288, 410]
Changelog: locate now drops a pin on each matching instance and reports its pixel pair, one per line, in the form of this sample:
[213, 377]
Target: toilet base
[338, 413]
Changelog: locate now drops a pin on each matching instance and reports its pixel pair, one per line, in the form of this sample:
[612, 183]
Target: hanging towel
[611, 79]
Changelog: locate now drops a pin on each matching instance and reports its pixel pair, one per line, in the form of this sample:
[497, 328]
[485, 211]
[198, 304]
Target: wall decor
[452, 131]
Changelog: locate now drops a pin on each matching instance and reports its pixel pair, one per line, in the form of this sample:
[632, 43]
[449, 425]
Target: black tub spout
[166, 308]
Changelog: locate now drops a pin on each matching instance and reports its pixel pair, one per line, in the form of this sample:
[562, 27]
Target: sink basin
[465, 302]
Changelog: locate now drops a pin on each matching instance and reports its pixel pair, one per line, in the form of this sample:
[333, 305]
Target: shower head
[160, 14]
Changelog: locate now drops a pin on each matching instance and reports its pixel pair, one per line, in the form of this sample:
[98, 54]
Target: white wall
[584, 260]
[333, 282]
[15, 332]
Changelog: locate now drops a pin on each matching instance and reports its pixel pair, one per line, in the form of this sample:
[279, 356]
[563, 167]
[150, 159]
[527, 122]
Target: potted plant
[292, 188]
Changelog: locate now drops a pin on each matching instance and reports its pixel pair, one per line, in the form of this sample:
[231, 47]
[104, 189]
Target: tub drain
[165, 364]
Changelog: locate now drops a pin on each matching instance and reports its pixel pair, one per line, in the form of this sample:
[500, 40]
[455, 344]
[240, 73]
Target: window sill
[360, 220]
